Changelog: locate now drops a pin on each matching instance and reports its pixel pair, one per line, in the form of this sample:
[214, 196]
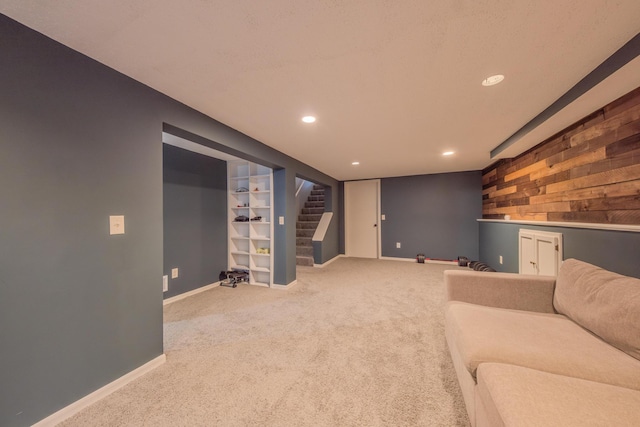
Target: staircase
[306, 226]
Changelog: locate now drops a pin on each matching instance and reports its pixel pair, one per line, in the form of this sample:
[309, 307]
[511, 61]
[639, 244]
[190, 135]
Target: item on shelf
[241, 218]
[257, 218]
[264, 251]
[257, 189]
[242, 190]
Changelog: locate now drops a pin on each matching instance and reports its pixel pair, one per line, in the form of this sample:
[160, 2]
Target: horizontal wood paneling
[590, 172]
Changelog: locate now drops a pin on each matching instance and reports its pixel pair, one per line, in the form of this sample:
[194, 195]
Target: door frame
[377, 215]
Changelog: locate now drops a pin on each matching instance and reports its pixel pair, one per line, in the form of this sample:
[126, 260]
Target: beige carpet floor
[357, 343]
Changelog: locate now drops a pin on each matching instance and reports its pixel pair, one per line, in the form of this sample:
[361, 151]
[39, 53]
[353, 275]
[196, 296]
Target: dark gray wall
[431, 214]
[195, 219]
[613, 250]
[78, 307]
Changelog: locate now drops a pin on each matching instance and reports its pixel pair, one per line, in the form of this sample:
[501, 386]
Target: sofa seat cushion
[515, 396]
[606, 303]
[547, 342]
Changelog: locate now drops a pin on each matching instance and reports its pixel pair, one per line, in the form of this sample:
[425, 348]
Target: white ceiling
[392, 83]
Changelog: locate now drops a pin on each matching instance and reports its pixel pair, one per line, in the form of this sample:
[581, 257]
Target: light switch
[281, 220]
[116, 224]
[174, 273]
[384, 217]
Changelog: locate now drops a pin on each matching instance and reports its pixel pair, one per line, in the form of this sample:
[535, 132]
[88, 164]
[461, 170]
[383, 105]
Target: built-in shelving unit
[251, 241]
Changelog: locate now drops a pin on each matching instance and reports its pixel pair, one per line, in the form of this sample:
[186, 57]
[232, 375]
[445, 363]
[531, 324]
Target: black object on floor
[232, 278]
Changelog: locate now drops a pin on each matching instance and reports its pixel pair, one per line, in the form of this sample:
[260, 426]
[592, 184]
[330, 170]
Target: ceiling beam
[619, 59]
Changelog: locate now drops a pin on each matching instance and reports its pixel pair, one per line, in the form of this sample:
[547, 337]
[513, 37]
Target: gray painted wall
[80, 142]
[431, 214]
[613, 250]
[194, 219]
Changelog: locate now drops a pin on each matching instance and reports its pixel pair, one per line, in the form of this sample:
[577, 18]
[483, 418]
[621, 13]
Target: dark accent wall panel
[613, 250]
[590, 172]
[195, 219]
[80, 308]
[431, 214]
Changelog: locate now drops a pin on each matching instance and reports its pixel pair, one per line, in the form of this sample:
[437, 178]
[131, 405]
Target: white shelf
[245, 238]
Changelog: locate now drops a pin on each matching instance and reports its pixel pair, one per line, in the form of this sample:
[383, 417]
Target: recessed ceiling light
[308, 119]
[493, 80]
[448, 153]
[355, 163]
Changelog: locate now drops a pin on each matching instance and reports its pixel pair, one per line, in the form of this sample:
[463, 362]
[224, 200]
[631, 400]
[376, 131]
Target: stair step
[309, 217]
[304, 251]
[317, 193]
[316, 198]
[304, 241]
[313, 211]
[305, 232]
[318, 187]
[304, 260]
[314, 204]
[309, 225]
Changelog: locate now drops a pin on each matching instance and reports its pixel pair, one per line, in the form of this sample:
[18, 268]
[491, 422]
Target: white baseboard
[90, 399]
[426, 261]
[190, 293]
[390, 258]
[324, 264]
[284, 287]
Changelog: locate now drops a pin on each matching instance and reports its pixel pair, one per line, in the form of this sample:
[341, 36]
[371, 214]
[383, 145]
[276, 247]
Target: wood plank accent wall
[589, 172]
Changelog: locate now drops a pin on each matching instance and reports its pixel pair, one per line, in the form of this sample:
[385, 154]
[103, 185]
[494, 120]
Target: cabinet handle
[532, 263]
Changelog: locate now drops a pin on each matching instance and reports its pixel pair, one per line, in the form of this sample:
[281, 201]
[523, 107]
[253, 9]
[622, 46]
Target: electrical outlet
[280, 220]
[174, 273]
[500, 259]
[398, 245]
[165, 283]
[383, 217]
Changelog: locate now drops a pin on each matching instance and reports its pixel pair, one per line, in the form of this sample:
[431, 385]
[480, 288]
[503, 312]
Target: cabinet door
[547, 257]
[528, 258]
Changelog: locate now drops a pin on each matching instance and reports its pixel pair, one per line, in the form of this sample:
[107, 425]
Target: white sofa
[543, 351]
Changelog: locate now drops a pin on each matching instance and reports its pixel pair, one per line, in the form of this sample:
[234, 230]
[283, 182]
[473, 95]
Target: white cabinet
[250, 220]
[540, 252]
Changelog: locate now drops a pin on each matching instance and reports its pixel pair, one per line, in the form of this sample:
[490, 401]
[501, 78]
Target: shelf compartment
[257, 170]
[239, 169]
[239, 246]
[260, 278]
[260, 263]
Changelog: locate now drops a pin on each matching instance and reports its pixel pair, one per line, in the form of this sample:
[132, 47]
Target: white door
[361, 218]
[528, 258]
[547, 258]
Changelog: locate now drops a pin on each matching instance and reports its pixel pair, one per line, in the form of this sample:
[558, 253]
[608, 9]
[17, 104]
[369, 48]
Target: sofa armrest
[502, 290]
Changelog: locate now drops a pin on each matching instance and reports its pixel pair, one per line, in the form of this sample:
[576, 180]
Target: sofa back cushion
[605, 303]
